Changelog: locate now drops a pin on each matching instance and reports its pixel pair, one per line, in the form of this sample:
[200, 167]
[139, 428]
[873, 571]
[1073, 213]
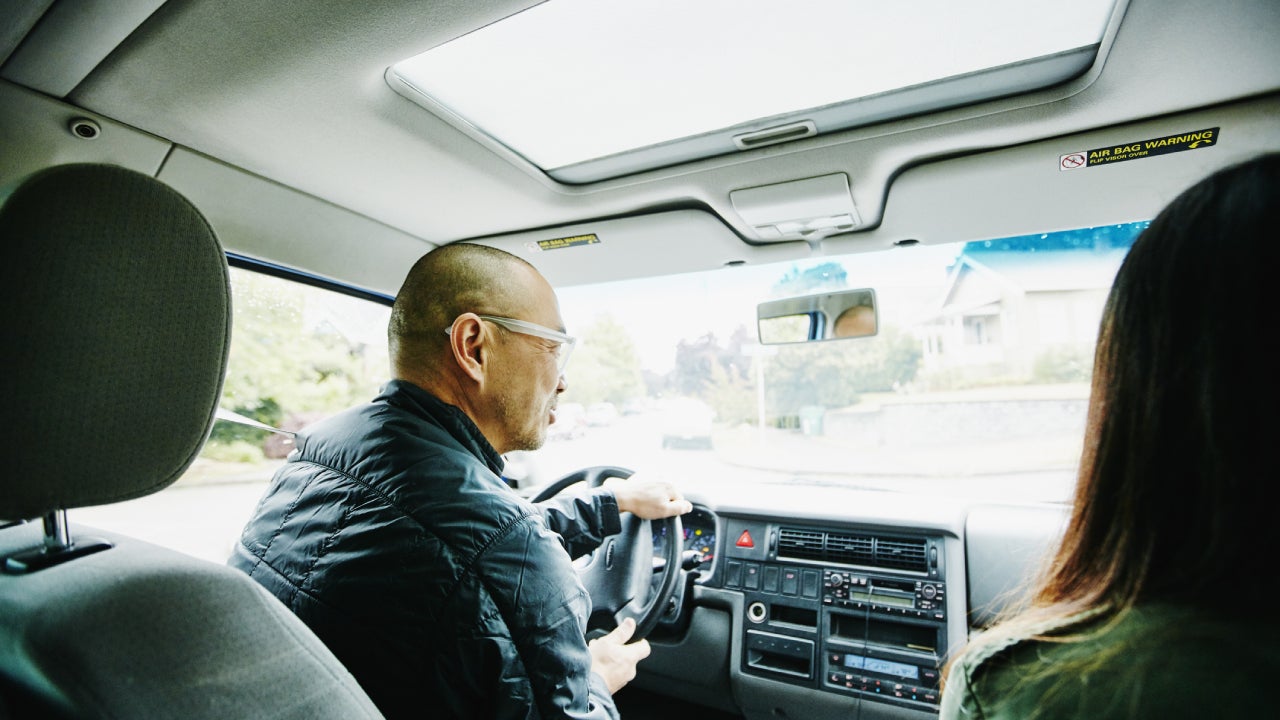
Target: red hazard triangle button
[744, 540]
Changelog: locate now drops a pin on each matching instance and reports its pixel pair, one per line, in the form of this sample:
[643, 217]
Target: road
[205, 519]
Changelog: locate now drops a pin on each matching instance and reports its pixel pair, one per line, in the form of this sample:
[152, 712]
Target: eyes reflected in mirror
[813, 318]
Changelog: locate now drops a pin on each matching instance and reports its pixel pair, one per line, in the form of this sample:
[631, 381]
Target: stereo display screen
[883, 667]
[882, 598]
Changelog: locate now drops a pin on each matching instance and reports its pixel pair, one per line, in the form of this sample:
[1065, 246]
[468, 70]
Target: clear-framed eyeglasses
[564, 343]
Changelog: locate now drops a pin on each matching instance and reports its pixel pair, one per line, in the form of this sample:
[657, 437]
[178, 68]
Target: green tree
[691, 375]
[286, 362]
[833, 374]
[732, 396]
[605, 367]
[699, 363]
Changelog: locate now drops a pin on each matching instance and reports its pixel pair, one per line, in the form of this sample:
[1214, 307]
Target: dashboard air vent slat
[901, 554]
[866, 550]
[851, 549]
[802, 544]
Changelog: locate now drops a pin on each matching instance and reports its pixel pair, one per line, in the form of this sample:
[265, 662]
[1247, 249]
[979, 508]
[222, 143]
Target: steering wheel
[619, 573]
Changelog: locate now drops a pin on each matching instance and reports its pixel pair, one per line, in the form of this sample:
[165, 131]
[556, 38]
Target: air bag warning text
[1139, 149]
[566, 242]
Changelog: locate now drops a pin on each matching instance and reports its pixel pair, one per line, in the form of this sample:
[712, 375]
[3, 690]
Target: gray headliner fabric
[116, 329]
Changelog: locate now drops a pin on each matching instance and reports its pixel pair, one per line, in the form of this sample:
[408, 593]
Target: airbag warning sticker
[565, 242]
[1139, 149]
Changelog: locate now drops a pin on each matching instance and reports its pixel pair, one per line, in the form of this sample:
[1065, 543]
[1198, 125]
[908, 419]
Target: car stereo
[874, 627]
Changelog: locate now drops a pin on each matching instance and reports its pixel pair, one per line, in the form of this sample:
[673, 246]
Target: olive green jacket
[1151, 661]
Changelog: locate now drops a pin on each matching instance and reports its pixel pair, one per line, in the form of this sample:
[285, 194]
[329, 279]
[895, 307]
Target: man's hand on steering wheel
[648, 499]
[621, 573]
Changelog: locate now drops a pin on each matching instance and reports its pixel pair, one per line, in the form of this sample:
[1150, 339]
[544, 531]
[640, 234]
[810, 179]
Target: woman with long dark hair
[1157, 602]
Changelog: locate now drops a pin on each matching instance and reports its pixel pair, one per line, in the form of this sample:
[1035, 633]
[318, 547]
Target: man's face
[527, 381]
[856, 322]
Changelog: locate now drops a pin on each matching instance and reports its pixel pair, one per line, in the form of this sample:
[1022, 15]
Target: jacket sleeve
[545, 607]
[582, 522]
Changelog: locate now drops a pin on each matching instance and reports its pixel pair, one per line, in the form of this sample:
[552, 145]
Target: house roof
[980, 279]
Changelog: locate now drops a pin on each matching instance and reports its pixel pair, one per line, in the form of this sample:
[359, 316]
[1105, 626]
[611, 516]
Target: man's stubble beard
[525, 435]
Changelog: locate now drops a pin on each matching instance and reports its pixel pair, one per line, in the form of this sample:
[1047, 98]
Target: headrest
[114, 339]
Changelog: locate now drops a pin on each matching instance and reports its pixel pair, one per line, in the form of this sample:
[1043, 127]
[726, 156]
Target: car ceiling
[276, 120]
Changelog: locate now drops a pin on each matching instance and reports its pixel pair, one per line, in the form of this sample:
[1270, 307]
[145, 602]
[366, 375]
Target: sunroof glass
[616, 86]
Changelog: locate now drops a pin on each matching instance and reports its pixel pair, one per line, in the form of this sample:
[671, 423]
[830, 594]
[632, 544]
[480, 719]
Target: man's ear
[469, 343]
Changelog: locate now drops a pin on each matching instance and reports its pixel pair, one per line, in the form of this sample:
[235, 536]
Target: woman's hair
[1170, 503]
[1183, 411]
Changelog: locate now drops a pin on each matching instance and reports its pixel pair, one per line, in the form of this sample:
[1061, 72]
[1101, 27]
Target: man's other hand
[648, 499]
[614, 659]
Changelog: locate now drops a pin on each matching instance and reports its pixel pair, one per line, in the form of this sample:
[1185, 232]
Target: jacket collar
[411, 398]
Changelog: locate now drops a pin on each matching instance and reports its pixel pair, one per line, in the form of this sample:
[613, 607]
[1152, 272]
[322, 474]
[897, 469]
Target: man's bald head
[443, 284]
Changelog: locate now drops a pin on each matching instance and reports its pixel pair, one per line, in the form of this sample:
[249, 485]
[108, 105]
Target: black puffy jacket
[390, 534]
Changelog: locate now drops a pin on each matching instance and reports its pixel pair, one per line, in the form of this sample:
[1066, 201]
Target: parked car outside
[686, 423]
[602, 414]
[570, 424]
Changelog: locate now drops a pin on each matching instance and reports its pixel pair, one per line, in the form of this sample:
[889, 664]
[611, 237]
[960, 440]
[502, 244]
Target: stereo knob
[836, 580]
[929, 592]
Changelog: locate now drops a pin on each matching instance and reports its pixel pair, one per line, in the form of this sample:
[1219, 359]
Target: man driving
[391, 533]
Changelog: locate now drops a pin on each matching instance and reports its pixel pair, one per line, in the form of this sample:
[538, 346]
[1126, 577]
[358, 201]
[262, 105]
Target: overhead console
[847, 611]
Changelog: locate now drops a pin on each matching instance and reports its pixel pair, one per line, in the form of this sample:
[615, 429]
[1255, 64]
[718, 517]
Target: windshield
[976, 384]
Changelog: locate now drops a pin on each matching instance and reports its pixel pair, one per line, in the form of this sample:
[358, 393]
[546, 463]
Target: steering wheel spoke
[619, 575]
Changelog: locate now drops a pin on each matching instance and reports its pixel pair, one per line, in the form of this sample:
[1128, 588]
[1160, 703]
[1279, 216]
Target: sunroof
[592, 89]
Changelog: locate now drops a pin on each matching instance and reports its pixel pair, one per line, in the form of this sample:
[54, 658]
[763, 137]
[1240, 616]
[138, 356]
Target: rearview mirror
[829, 316]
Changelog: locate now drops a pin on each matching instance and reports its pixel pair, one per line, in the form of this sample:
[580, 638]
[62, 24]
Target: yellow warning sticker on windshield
[567, 242]
[1139, 149]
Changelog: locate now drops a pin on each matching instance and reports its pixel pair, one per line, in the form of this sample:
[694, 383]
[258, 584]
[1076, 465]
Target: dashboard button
[751, 576]
[771, 579]
[733, 574]
[811, 583]
[790, 581]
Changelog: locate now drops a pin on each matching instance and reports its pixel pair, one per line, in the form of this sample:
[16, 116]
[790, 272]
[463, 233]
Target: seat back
[115, 340]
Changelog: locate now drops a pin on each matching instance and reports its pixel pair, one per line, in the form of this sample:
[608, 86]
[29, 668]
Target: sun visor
[662, 243]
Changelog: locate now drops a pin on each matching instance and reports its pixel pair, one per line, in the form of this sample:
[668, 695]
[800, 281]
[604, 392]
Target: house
[1016, 312]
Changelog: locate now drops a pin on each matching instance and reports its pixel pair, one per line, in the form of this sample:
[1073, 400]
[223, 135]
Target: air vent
[851, 549]
[801, 544]
[866, 550]
[901, 554]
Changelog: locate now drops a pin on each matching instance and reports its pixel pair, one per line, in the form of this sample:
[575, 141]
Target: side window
[298, 354]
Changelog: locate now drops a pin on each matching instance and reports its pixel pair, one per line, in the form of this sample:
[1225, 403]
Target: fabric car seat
[116, 328]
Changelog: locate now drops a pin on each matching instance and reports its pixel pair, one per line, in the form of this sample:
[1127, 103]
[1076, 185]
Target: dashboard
[787, 613]
[700, 539]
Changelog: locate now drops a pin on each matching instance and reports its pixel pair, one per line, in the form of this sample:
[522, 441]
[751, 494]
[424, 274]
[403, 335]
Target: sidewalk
[792, 452]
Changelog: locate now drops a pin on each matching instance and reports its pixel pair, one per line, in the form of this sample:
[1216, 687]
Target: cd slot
[883, 632]
[917, 638]
[848, 627]
[799, 617]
